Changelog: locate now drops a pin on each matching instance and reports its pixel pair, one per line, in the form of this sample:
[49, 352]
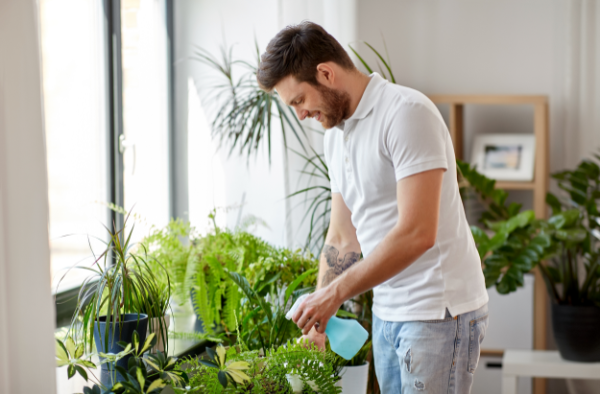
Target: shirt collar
[369, 97]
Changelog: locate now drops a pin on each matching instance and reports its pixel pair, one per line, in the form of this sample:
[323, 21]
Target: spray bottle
[346, 337]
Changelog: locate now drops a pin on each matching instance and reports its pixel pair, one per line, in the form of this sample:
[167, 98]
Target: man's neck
[356, 86]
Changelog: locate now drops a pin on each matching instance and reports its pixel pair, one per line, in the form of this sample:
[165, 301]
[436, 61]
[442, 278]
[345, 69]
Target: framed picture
[505, 157]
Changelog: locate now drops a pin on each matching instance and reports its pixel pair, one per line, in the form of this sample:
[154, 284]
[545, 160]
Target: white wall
[485, 47]
[263, 186]
[27, 363]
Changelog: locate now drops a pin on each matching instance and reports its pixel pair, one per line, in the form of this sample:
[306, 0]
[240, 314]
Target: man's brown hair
[296, 51]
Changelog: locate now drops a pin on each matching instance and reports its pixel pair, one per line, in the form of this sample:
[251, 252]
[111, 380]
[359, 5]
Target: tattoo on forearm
[337, 265]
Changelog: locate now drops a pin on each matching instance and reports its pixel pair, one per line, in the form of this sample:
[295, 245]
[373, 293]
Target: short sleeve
[328, 154]
[416, 140]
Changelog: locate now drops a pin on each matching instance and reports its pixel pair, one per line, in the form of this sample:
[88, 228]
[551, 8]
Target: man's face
[328, 106]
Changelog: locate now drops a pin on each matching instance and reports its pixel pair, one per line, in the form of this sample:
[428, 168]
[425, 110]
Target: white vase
[355, 379]
[154, 327]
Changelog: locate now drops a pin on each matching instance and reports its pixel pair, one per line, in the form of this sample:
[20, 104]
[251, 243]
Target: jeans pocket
[477, 329]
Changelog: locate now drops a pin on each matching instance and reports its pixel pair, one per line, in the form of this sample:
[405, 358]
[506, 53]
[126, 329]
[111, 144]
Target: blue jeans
[432, 356]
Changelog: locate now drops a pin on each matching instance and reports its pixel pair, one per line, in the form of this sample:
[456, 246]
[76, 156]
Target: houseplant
[564, 247]
[110, 301]
[214, 295]
[139, 377]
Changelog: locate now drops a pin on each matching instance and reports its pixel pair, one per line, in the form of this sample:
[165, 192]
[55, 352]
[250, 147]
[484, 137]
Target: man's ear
[325, 74]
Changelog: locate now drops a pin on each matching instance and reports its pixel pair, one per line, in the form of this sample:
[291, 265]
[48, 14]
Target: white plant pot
[296, 383]
[355, 379]
[154, 327]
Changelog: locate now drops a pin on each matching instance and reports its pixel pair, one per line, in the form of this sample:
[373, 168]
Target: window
[77, 129]
[145, 142]
[106, 68]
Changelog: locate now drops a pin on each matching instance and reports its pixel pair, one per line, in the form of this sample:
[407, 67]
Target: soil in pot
[577, 332]
[119, 331]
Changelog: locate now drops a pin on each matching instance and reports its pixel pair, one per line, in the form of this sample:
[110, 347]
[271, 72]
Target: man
[395, 198]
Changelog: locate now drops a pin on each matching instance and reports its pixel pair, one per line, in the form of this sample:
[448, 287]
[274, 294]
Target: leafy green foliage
[512, 243]
[169, 248]
[215, 297]
[264, 325]
[573, 272]
[147, 376]
[67, 353]
[227, 371]
[265, 374]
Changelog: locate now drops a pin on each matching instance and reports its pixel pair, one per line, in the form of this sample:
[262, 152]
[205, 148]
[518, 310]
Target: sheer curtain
[581, 134]
[26, 307]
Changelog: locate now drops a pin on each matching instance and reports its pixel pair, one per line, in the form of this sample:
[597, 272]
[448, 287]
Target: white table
[542, 364]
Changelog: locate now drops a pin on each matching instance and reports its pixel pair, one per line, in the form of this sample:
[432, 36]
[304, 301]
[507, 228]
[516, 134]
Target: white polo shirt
[396, 132]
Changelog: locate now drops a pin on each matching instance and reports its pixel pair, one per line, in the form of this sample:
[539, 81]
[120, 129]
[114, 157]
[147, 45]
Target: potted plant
[110, 301]
[564, 247]
[159, 320]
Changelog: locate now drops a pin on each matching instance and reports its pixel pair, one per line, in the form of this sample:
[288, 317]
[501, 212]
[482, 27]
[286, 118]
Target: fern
[268, 374]
[232, 302]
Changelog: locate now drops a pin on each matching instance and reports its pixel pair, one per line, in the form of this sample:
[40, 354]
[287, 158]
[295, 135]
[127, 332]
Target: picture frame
[505, 157]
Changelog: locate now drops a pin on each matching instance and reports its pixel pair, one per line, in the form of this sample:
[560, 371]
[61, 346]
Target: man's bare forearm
[335, 260]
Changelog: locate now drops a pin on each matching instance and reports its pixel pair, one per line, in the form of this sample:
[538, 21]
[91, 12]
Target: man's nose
[302, 113]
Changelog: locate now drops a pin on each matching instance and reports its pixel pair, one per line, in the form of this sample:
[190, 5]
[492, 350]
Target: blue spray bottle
[346, 337]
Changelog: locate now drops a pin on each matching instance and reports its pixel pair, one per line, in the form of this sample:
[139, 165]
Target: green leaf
[222, 379]
[71, 348]
[479, 235]
[209, 363]
[496, 261]
[79, 351]
[81, 372]
[343, 313]
[71, 371]
[292, 286]
[157, 384]
[140, 377]
[575, 235]
[61, 353]
[554, 203]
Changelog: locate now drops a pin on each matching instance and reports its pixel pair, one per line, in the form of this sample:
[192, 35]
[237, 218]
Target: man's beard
[336, 106]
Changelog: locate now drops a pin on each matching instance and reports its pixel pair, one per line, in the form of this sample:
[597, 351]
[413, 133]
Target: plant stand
[542, 364]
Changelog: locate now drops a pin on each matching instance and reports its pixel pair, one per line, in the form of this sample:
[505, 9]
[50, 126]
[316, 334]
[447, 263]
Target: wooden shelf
[539, 185]
[485, 99]
[511, 185]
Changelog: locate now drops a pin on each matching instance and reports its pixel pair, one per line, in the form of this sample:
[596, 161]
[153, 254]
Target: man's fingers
[320, 327]
[296, 316]
[309, 324]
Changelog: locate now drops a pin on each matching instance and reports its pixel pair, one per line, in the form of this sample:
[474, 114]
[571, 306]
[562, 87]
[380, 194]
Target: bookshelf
[539, 186]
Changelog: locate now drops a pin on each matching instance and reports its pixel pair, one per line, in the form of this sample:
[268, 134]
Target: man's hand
[315, 337]
[317, 308]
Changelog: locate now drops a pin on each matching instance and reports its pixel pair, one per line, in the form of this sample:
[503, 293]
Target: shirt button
[347, 159]
[347, 139]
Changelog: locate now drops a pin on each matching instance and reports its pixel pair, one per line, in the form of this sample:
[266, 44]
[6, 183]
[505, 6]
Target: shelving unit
[539, 186]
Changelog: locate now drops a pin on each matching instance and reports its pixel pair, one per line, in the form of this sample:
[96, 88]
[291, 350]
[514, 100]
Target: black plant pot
[119, 331]
[577, 332]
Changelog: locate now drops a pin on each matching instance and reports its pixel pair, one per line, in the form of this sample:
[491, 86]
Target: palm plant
[244, 113]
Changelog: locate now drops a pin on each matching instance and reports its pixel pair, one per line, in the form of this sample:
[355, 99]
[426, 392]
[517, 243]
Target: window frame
[66, 301]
